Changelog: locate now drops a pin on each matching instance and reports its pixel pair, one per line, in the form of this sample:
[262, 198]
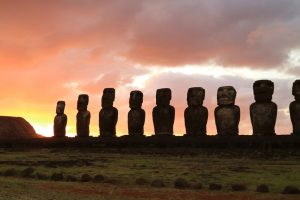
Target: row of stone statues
[263, 112]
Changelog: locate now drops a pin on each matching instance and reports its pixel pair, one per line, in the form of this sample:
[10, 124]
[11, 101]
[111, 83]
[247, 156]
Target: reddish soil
[135, 192]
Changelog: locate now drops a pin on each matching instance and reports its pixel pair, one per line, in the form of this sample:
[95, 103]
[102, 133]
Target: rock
[50, 165]
[111, 181]
[10, 172]
[181, 183]
[197, 186]
[57, 177]
[158, 183]
[98, 178]
[263, 188]
[238, 187]
[16, 128]
[291, 190]
[141, 181]
[215, 186]
[41, 176]
[71, 178]
[27, 172]
[85, 178]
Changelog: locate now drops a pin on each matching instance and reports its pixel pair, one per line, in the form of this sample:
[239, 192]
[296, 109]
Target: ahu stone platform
[176, 142]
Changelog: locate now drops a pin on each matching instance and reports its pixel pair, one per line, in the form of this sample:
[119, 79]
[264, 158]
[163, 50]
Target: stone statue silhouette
[295, 108]
[108, 115]
[263, 112]
[60, 120]
[136, 115]
[83, 116]
[163, 113]
[227, 115]
[195, 115]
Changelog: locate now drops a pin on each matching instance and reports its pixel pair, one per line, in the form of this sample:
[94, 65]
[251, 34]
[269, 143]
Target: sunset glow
[56, 50]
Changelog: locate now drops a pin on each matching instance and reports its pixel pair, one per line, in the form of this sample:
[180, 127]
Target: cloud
[235, 33]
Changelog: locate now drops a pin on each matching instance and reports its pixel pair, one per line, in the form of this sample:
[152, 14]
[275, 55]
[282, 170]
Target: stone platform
[208, 142]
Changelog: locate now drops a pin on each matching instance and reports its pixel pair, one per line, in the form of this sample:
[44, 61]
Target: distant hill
[16, 128]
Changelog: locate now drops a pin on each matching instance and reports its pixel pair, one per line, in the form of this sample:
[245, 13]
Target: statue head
[296, 90]
[195, 96]
[226, 95]
[163, 96]
[108, 97]
[82, 102]
[136, 99]
[263, 90]
[60, 107]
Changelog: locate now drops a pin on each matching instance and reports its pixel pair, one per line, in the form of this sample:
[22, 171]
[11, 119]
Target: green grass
[276, 169]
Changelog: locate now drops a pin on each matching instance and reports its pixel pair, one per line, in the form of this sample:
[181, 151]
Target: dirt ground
[109, 191]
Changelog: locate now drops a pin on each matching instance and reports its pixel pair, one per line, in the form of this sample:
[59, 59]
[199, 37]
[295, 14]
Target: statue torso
[163, 119]
[263, 118]
[227, 119]
[195, 120]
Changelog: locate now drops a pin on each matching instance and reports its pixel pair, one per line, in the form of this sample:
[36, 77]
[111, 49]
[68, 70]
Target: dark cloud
[234, 33]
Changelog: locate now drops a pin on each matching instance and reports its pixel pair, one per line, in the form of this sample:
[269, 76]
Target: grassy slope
[204, 166]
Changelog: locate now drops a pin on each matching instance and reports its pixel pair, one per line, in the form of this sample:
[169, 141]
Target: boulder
[181, 183]
[290, 189]
[263, 188]
[158, 183]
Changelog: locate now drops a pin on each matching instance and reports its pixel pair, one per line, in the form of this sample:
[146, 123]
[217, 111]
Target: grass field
[122, 167]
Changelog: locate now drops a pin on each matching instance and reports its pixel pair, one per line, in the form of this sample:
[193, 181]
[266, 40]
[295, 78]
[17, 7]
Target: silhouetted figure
[263, 112]
[136, 115]
[83, 116]
[163, 113]
[60, 120]
[195, 115]
[227, 115]
[295, 108]
[108, 115]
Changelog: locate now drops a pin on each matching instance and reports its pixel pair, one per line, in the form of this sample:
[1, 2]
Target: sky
[57, 49]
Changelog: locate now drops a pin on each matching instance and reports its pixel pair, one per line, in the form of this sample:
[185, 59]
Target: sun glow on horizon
[47, 130]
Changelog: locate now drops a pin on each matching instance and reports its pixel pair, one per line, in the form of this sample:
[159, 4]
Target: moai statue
[227, 115]
[83, 116]
[60, 120]
[136, 115]
[195, 115]
[263, 112]
[295, 108]
[108, 115]
[163, 113]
